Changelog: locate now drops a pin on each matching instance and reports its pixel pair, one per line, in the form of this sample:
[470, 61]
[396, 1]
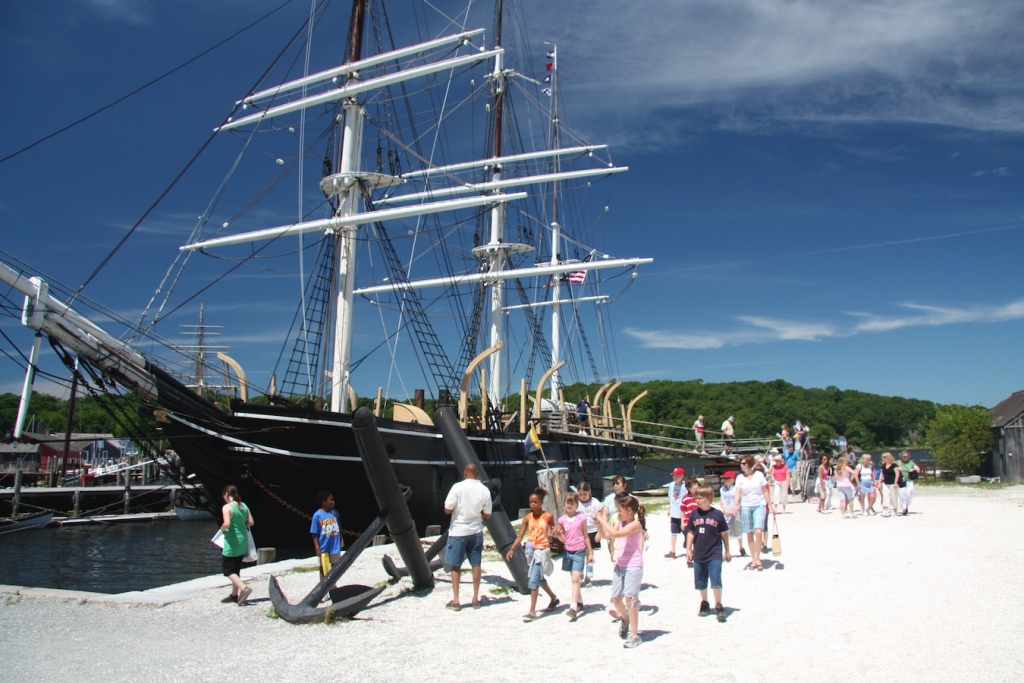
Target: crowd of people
[853, 480]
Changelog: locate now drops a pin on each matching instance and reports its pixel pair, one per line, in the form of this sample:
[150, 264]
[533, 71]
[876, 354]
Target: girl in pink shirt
[572, 530]
[780, 482]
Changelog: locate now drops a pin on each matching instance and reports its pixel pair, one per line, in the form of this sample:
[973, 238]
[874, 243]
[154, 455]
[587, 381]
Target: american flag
[576, 277]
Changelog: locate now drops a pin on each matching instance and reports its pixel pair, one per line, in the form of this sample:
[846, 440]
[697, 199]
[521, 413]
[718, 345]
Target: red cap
[678, 472]
[729, 474]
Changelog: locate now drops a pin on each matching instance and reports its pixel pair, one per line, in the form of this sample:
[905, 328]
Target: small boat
[36, 520]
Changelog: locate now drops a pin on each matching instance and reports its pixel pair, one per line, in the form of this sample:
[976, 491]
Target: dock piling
[17, 493]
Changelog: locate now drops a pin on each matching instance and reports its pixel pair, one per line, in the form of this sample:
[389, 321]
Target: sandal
[759, 567]
[530, 616]
[475, 604]
[750, 565]
[670, 555]
[553, 604]
[453, 606]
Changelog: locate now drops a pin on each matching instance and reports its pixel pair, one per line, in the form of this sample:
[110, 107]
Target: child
[706, 533]
[590, 507]
[727, 495]
[539, 525]
[675, 498]
[572, 529]
[629, 565]
[325, 529]
[688, 504]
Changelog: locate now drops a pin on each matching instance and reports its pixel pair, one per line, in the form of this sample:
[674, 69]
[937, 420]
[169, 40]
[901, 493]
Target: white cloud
[933, 316]
[760, 330]
[747, 64]
[127, 11]
[755, 330]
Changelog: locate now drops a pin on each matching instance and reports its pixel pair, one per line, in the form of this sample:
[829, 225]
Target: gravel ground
[933, 596]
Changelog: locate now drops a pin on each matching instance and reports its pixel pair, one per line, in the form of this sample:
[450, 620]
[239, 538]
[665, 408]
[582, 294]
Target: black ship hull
[281, 457]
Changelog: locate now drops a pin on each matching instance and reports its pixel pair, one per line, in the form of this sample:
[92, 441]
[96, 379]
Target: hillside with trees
[868, 421]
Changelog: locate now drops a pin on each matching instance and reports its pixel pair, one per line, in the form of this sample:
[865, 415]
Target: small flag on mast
[532, 440]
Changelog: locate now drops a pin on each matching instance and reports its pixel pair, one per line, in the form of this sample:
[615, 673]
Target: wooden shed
[1008, 425]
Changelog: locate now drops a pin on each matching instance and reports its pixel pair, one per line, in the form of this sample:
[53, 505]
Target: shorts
[676, 525]
[626, 581]
[574, 560]
[702, 571]
[845, 493]
[752, 517]
[536, 576]
[595, 540]
[231, 565]
[461, 547]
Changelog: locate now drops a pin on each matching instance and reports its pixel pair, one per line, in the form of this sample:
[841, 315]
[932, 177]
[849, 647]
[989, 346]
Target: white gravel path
[934, 596]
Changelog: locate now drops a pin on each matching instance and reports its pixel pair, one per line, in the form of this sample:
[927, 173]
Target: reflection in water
[112, 558]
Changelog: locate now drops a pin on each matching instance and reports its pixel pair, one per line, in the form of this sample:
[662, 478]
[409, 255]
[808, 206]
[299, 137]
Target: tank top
[889, 474]
[538, 529]
[631, 550]
[573, 532]
[843, 478]
[780, 472]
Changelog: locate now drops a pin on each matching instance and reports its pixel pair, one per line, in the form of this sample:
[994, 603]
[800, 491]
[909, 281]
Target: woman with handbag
[752, 496]
[236, 522]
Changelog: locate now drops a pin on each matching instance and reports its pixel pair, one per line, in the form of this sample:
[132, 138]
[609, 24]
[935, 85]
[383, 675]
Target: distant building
[1008, 426]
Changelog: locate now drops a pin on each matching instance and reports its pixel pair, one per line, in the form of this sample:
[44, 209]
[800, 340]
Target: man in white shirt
[728, 432]
[469, 504]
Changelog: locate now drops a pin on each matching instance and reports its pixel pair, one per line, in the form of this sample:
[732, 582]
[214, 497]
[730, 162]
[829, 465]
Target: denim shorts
[752, 517]
[626, 581]
[536, 576]
[574, 560]
[702, 571]
[461, 547]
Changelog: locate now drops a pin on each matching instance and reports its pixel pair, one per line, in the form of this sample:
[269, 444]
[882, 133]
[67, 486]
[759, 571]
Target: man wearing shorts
[469, 504]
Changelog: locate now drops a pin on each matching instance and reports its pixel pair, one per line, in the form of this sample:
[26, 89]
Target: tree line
[868, 421]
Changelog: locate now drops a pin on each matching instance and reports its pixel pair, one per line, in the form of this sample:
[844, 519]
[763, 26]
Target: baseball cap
[678, 472]
[729, 474]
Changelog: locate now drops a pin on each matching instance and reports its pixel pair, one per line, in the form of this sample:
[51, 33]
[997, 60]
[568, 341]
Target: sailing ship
[446, 173]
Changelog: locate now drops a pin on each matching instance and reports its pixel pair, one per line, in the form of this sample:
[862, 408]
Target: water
[112, 558]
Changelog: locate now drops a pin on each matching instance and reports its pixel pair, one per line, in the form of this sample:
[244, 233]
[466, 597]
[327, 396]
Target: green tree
[959, 436]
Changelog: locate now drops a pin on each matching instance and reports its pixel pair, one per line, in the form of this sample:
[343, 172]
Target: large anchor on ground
[392, 500]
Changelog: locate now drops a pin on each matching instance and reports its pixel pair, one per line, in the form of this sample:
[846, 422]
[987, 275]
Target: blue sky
[832, 191]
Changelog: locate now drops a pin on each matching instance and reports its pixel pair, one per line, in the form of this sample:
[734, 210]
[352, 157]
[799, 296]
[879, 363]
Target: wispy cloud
[933, 316]
[764, 63]
[760, 330]
[127, 11]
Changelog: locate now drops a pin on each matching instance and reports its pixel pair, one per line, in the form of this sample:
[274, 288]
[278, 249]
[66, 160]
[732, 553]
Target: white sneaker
[632, 641]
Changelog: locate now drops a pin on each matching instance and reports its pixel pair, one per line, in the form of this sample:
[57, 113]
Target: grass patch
[492, 556]
[305, 570]
[503, 589]
[272, 614]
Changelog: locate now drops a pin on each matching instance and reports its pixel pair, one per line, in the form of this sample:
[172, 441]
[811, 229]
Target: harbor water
[109, 558]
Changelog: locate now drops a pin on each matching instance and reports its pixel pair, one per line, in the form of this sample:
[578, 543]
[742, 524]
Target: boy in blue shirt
[326, 532]
[707, 532]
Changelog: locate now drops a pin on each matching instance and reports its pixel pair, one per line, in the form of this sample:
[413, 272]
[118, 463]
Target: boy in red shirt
[688, 504]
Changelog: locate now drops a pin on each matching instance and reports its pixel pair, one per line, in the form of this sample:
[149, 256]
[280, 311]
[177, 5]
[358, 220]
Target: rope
[291, 508]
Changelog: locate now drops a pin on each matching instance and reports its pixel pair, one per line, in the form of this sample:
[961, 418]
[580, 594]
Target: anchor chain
[288, 506]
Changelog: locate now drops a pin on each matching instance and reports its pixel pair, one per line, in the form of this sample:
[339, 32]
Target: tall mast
[556, 230]
[496, 255]
[350, 202]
